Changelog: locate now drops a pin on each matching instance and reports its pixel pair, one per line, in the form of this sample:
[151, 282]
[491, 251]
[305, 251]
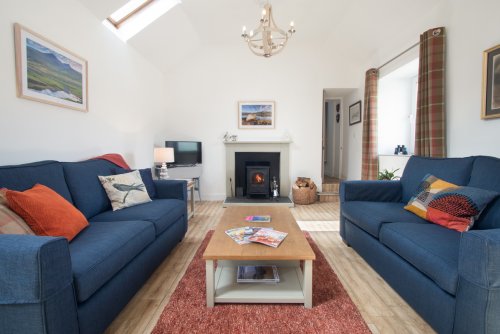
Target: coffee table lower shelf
[295, 286]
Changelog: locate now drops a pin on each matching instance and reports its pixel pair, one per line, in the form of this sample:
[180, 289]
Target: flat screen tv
[186, 153]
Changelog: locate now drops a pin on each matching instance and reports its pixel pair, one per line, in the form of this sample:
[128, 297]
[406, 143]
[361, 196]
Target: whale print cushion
[125, 190]
[449, 205]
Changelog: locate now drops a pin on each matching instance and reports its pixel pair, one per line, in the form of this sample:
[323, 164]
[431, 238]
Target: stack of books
[257, 274]
[264, 235]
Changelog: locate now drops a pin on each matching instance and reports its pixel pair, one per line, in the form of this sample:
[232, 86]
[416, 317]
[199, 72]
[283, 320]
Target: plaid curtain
[369, 164]
[430, 127]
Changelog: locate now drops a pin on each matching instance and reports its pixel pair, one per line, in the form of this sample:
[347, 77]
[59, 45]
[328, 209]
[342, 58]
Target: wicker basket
[304, 195]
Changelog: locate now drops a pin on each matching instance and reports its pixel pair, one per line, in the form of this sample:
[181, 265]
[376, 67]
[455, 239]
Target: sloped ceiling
[355, 28]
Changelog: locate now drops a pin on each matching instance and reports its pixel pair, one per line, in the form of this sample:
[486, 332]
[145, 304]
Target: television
[186, 153]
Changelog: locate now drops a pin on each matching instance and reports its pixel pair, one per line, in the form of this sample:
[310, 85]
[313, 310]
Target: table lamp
[164, 155]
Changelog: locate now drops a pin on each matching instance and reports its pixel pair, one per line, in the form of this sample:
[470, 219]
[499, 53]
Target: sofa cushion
[86, 189]
[449, 205]
[23, 177]
[430, 248]
[146, 176]
[370, 216]
[161, 212]
[485, 174]
[103, 249]
[454, 170]
[46, 212]
[125, 190]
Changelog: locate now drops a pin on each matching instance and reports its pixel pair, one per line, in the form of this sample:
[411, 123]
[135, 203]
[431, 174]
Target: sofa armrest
[478, 291]
[379, 191]
[175, 189]
[36, 285]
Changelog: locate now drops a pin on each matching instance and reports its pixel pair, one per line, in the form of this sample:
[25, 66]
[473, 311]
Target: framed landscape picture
[49, 73]
[491, 83]
[256, 115]
[355, 113]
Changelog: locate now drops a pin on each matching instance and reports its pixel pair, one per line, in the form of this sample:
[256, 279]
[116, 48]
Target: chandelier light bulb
[251, 33]
[244, 30]
[292, 24]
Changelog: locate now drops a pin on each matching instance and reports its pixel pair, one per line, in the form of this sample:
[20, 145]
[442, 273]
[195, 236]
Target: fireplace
[253, 173]
[258, 181]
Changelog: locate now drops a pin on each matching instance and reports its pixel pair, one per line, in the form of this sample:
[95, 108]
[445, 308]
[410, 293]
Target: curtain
[430, 122]
[369, 164]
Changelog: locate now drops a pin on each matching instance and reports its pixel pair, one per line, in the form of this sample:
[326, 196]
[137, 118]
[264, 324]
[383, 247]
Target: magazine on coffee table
[241, 234]
[258, 219]
[268, 237]
[257, 274]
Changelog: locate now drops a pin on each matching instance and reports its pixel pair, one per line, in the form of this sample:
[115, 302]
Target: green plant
[388, 175]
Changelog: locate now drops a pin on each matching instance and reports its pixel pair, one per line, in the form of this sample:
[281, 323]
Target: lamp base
[163, 172]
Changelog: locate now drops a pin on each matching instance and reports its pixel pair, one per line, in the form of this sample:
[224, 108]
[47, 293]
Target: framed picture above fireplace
[256, 114]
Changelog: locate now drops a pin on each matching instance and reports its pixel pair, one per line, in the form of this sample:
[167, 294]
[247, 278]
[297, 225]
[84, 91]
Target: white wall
[353, 136]
[473, 27]
[207, 87]
[126, 94]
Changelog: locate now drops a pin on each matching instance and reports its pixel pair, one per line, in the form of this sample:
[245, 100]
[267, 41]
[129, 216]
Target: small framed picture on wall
[355, 113]
[256, 115]
[491, 83]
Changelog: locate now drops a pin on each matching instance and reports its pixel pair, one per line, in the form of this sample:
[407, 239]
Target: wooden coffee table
[295, 284]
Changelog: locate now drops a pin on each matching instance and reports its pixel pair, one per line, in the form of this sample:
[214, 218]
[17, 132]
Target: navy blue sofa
[451, 279]
[48, 285]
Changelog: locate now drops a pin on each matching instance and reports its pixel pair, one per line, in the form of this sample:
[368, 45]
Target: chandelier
[267, 40]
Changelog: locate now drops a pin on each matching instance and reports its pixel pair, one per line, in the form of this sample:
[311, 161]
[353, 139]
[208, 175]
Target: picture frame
[491, 83]
[256, 114]
[355, 113]
[49, 73]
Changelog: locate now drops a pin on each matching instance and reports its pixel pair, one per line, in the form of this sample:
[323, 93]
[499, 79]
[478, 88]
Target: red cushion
[47, 212]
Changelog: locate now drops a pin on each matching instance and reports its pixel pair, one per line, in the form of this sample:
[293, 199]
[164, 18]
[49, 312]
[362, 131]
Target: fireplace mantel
[281, 146]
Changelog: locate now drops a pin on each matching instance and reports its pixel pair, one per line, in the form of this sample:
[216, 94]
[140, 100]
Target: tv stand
[182, 165]
[187, 172]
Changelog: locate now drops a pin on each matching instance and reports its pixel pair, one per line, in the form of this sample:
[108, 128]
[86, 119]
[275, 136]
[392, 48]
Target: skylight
[136, 15]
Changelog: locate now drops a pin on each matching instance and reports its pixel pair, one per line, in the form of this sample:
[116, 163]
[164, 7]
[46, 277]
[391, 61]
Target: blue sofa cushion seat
[24, 177]
[486, 175]
[88, 194]
[102, 249]
[370, 216]
[453, 170]
[430, 248]
[161, 212]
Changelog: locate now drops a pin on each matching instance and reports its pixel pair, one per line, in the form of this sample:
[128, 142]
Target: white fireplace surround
[280, 146]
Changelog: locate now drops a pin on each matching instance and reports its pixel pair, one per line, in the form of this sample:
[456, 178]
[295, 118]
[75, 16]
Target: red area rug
[333, 310]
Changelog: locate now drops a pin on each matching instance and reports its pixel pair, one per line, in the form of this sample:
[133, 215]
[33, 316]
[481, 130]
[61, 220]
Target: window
[397, 106]
[126, 11]
[136, 15]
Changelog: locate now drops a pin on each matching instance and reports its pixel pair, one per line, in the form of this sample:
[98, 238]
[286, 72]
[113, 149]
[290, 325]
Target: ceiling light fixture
[267, 40]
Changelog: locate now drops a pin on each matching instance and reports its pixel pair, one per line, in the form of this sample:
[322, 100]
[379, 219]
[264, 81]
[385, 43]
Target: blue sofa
[451, 279]
[48, 285]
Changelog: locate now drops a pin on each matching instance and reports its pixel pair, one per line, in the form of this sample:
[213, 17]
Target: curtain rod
[399, 55]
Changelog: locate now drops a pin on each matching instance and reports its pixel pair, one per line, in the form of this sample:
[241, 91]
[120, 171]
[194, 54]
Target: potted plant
[388, 175]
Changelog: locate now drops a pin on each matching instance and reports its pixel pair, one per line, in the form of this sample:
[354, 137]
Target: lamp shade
[164, 154]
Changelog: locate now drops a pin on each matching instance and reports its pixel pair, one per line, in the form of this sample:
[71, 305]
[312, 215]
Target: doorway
[332, 140]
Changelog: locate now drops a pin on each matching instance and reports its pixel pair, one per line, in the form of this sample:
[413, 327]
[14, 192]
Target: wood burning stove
[257, 181]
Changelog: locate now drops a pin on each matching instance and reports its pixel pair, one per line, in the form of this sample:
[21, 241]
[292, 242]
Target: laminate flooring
[383, 310]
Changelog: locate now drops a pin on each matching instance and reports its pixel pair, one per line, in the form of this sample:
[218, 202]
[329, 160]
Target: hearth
[258, 181]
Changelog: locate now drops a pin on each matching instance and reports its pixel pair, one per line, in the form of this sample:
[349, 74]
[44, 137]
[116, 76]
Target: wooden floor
[383, 310]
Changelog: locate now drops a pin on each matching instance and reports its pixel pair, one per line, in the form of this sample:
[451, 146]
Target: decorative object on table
[355, 113]
[258, 219]
[304, 191]
[275, 189]
[125, 190]
[446, 204]
[491, 83]
[229, 137]
[240, 235]
[164, 155]
[268, 237]
[388, 175]
[257, 274]
[267, 39]
[48, 73]
[256, 115]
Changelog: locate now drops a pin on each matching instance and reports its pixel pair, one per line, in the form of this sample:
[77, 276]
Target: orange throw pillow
[47, 212]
